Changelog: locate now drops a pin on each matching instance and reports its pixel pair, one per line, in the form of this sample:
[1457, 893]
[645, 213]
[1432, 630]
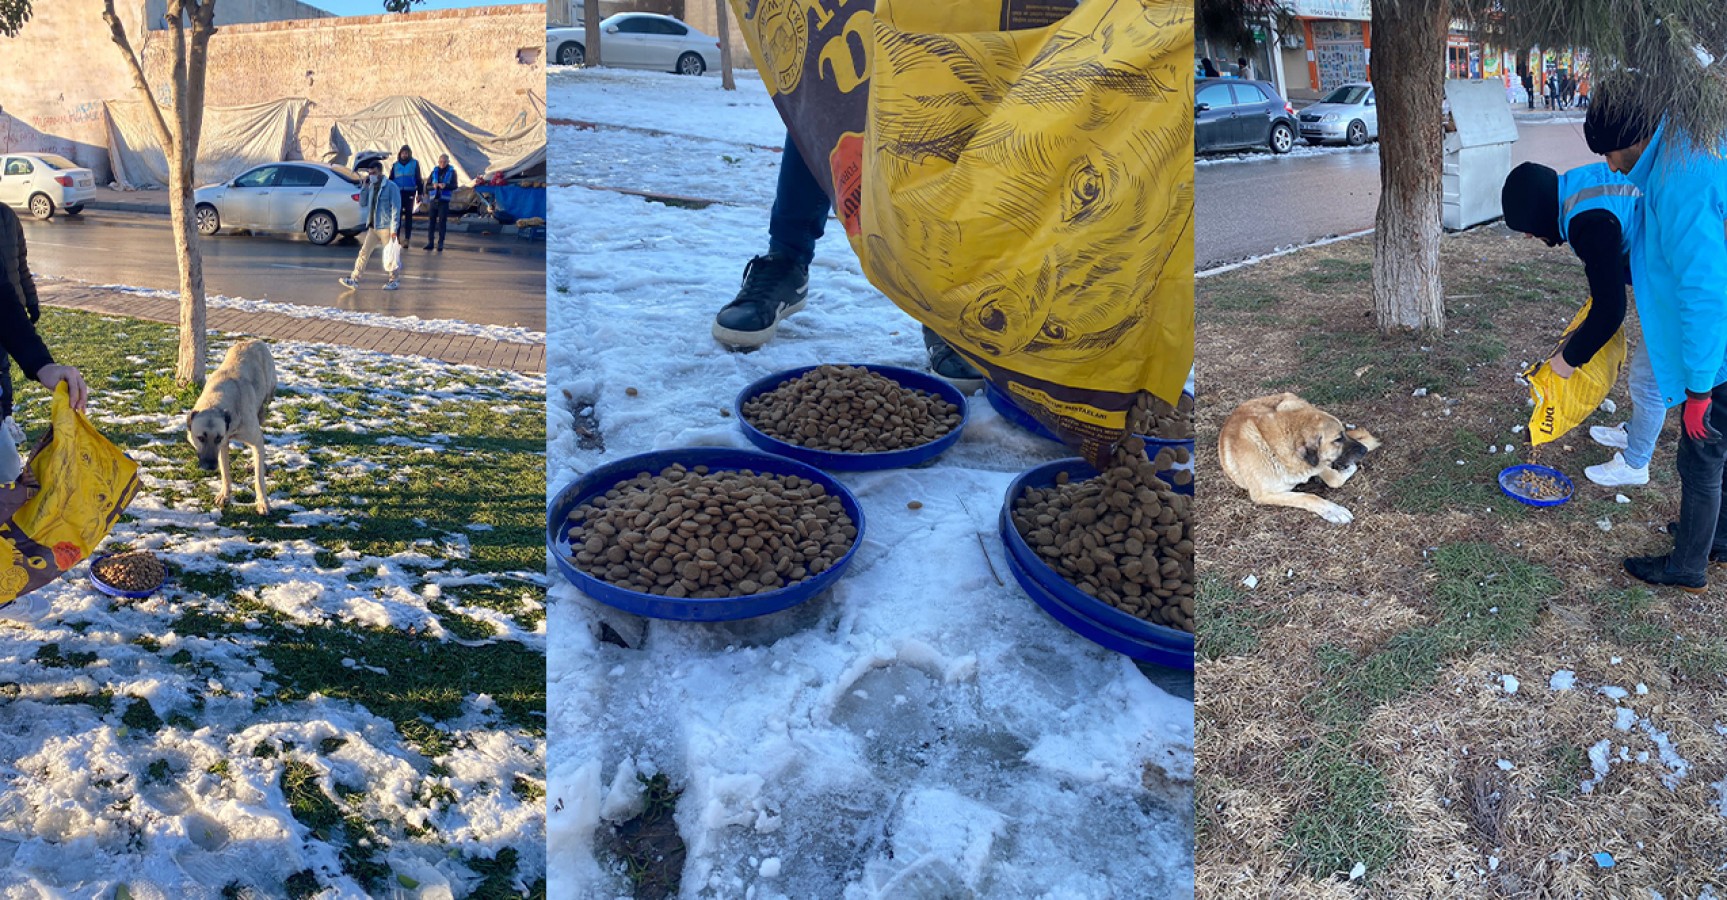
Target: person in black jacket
[17, 274]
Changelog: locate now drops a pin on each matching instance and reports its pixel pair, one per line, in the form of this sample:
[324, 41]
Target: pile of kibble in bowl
[1124, 536]
[850, 409]
[701, 533]
[138, 570]
[1153, 417]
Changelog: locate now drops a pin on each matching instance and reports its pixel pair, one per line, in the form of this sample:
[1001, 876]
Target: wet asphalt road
[482, 279]
[1261, 204]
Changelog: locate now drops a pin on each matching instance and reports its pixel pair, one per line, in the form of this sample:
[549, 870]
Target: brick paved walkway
[461, 349]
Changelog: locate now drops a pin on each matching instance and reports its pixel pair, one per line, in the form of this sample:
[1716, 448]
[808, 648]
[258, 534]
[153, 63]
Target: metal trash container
[1477, 154]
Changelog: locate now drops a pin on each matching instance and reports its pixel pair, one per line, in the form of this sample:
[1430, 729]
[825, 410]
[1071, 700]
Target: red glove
[1697, 425]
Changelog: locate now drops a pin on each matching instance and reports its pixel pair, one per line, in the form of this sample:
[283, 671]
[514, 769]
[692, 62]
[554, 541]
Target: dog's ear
[227, 420]
[1310, 449]
[190, 415]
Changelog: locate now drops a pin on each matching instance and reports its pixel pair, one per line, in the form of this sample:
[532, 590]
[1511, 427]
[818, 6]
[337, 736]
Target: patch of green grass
[1331, 273]
[1438, 483]
[50, 655]
[313, 808]
[1348, 818]
[1565, 767]
[467, 628]
[1240, 295]
[497, 875]
[527, 791]
[148, 643]
[649, 845]
[140, 717]
[1628, 617]
[221, 769]
[302, 885]
[102, 703]
[215, 584]
[1226, 626]
[159, 771]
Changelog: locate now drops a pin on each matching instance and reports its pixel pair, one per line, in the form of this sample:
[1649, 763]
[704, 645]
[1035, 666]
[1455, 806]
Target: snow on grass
[338, 697]
[658, 101]
[1299, 151]
[921, 730]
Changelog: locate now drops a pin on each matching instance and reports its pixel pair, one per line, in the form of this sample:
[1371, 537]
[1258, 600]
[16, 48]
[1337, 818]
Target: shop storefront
[1333, 44]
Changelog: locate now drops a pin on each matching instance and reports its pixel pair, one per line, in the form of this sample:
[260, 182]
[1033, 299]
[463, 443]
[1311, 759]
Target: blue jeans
[1648, 410]
[800, 212]
[1701, 469]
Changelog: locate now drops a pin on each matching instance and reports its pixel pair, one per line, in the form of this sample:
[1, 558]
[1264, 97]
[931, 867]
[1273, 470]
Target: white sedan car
[322, 202]
[43, 183]
[638, 41]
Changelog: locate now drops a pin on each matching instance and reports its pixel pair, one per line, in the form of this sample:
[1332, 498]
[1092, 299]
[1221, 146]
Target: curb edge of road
[162, 209]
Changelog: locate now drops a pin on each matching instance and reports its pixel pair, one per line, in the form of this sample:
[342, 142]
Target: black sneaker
[1717, 555]
[951, 367]
[774, 287]
[1653, 570]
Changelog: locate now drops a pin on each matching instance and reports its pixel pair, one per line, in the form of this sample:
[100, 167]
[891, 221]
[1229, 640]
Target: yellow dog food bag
[76, 485]
[1015, 174]
[1562, 404]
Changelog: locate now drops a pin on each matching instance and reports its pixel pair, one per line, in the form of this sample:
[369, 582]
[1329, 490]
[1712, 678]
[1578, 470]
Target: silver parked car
[44, 183]
[1348, 114]
[638, 41]
[320, 201]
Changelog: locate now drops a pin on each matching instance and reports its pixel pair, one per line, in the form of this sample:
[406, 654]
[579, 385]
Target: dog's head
[207, 431]
[1329, 444]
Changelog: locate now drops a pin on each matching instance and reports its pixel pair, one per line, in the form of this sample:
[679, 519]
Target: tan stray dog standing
[233, 406]
[1270, 445]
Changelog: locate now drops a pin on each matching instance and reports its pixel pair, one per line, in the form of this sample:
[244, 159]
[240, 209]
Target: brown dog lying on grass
[1271, 445]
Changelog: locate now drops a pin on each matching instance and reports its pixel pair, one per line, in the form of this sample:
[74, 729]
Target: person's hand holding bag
[76, 390]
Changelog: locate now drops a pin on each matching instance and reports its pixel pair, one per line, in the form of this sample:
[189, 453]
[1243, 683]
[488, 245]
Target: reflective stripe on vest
[1599, 190]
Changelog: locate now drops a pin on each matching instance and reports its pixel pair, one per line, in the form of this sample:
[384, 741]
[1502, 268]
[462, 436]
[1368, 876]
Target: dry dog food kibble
[1124, 537]
[849, 409]
[1152, 417]
[1539, 487]
[138, 570]
[696, 533]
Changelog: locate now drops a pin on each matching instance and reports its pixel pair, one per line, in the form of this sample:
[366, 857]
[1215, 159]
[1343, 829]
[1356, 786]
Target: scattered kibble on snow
[631, 392]
[914, 505]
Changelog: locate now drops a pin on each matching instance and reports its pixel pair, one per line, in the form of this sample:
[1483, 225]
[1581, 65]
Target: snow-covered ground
[923, 730]
[375, 320]
[1301, 149]
[289, 715]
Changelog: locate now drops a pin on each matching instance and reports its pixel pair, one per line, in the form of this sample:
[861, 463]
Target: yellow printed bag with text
[1562, 404]
[72, 491]
[1017, 176]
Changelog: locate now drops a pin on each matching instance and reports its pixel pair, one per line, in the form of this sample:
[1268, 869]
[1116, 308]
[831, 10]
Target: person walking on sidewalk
[776, 283]
[440, 187]
[381, 218]
[1595, 211]
[1679, 266]
[14, 260]
[405, 173]
[1529, 87]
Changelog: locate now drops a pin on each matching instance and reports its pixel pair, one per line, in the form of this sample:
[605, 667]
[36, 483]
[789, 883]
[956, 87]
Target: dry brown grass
[1423, 799]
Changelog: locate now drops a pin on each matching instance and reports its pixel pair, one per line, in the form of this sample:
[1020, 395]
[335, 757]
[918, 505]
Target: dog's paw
[221, 501]
[1346, 474]
[1337, 515]
[263, 508]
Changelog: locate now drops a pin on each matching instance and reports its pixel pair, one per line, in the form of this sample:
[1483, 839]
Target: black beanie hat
[1530, 200]
[1609, 127]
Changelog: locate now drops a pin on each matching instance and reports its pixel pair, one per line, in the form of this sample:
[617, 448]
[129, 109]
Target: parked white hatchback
[638, 41]
[45, 183]
[322, 202]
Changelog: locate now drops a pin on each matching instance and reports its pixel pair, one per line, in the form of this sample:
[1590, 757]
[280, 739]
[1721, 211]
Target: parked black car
[1237, 114]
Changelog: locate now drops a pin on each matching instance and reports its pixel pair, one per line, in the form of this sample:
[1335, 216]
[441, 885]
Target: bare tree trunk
[179, 140]
[591, 25]
[1409, 82]
[726, 79]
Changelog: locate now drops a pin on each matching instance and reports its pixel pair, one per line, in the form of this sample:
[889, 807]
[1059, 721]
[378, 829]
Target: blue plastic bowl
[1090, 617]
[1505, 484]
[654, 606]
[1011, 412]
[855, 462]
[113, 591]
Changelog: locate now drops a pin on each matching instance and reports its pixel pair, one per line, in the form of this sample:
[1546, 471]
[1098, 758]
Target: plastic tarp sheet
[429, 130]
[235, 138]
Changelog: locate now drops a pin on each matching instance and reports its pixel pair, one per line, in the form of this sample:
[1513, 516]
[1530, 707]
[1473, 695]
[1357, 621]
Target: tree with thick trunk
[726, 79]
[1408, 67]
[190, 24]
[591, 29]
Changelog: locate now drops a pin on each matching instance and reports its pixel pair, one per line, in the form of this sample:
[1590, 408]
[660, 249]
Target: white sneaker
[1610, 437]
[1615, 473]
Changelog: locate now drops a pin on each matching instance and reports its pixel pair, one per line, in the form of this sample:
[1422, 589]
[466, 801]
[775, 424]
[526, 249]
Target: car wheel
[320, 228]
[208, 221]
[1282, 138]
[41, 207]
[571, 55]
[74, 210]
[691, 64]
[1357, 133]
